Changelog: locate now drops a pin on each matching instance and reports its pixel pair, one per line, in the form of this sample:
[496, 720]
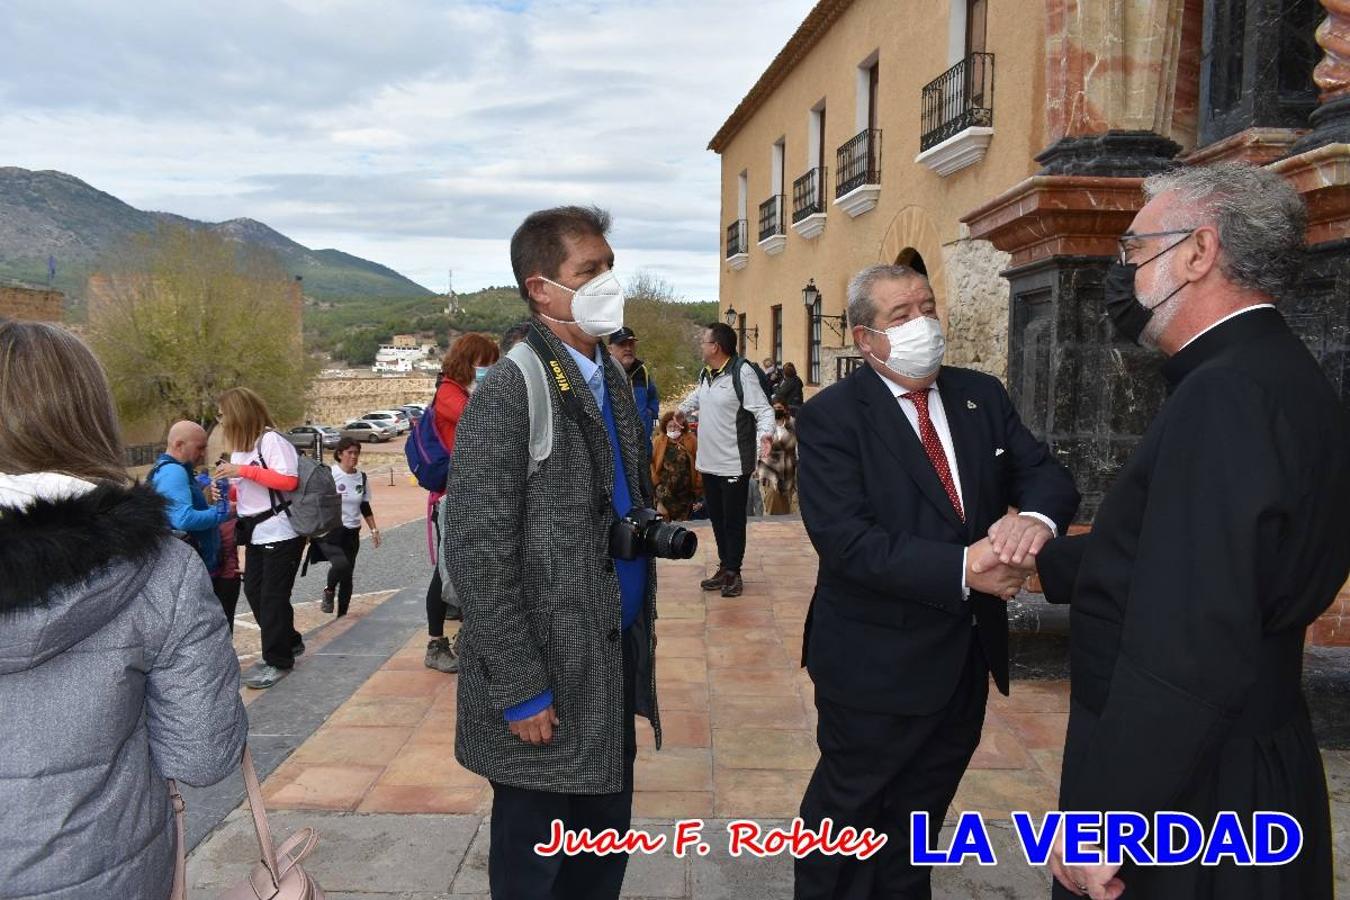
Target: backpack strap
[154, 470]
[735, 364]
[539, 401]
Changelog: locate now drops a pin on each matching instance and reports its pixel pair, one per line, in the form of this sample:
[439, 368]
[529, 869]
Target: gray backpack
[314, 507]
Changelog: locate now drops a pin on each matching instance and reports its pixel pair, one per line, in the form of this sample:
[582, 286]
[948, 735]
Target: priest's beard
[1163, 310]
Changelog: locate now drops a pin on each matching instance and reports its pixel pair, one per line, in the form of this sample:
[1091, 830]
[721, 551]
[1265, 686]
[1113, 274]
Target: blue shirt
[186, 508]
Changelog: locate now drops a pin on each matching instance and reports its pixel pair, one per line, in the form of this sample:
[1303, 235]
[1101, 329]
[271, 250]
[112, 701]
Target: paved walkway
[400, 818]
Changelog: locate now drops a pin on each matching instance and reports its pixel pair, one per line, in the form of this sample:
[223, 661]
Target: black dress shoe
[732, 586]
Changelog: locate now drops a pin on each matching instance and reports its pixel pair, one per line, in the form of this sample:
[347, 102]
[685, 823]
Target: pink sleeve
[270, 478]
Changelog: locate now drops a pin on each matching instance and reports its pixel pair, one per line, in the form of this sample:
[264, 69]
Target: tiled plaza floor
[739, 742]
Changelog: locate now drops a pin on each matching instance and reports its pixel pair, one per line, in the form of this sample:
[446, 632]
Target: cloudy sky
[416, 133]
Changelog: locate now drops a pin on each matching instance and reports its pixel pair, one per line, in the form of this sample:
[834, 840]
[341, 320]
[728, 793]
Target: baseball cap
[622, 335]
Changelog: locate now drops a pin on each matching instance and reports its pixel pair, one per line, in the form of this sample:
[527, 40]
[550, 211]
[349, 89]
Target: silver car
[370, 432]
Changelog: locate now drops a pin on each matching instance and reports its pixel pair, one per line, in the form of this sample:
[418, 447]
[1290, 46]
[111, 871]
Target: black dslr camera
[644, 531]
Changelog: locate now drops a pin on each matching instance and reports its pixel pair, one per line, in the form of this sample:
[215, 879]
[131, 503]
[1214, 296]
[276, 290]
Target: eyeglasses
[1130, 242]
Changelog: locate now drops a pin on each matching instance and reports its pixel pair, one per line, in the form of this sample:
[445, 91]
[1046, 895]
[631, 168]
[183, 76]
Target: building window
[977, 13]
[777, 313]
[813, 344]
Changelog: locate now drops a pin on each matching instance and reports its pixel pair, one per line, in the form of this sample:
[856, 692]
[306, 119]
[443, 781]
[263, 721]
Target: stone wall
[33, 304]
[335, 401]
[977, 306]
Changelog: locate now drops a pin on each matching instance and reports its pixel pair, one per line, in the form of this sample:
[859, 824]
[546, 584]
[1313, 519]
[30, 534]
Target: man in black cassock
[1220, 542]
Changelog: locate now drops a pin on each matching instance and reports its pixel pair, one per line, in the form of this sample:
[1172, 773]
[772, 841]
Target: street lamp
[733, 318]
[811, 300]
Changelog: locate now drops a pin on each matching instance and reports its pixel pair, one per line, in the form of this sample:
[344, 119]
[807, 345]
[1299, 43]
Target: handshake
[1001, 563]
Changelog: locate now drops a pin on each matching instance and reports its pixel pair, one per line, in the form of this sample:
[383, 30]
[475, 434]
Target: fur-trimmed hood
[70, 559]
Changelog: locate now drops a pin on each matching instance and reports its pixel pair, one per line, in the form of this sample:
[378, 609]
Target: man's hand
[986, 574]
[1098, 882]
[538, 728]
[1016, 539]
[765, 447]
[375, 537]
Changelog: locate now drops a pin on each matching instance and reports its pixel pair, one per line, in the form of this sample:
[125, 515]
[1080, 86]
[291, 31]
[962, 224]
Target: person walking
[116, 669]
[675, 475]
[789, 390]
[735, 427]
[341, 546]
[464, 367]
[264, 462]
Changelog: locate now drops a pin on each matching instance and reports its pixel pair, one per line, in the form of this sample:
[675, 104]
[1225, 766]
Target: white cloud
[413, 132]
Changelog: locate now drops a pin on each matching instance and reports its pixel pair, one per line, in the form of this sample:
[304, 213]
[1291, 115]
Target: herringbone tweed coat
[529, 557]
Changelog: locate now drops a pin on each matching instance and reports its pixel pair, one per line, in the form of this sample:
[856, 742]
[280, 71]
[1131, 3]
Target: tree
[667, 333]
[181, 315]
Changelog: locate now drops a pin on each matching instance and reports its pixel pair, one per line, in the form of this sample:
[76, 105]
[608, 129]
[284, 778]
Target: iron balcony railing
[961, 97]
[771, 217]
[858, 162]
[737, 239]
[808, 194]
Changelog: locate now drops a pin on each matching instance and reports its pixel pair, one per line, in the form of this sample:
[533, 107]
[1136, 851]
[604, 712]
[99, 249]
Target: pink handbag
[278, 875]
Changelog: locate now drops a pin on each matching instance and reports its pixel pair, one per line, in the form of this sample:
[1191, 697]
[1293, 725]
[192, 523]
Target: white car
[396, 419]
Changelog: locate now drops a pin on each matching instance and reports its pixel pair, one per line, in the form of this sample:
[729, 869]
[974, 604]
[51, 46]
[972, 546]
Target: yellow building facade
[871, 133]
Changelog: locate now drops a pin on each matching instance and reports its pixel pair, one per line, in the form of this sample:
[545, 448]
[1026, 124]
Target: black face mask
[1127, 314]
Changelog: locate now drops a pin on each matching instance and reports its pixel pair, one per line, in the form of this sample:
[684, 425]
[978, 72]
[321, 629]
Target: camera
[644, 531]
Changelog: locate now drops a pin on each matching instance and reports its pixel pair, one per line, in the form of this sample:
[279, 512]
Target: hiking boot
[454, 643]
[732, 586]
[440, 657]
[327, 604]
[716, 582]
[264, 676]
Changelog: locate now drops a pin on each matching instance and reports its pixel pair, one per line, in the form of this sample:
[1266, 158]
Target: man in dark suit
[904, 468]
[1222, 539]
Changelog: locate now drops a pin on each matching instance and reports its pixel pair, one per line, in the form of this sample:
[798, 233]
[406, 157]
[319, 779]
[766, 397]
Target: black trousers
[727, 497]
[269, 577]
[227, 592]
[522, 818]
[342, 563]
[874, 769]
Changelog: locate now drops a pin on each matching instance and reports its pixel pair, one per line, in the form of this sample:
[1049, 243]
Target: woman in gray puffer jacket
[116, 668]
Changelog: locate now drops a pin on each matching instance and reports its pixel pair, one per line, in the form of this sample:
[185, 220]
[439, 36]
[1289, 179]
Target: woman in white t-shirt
[264, 463]
[341, 545]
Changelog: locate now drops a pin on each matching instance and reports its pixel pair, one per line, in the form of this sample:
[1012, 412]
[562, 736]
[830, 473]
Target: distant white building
[396, 359]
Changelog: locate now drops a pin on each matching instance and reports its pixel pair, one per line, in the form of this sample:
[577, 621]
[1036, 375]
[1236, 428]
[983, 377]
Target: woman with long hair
[116, 669]
[463, 367]
[675, 475]
[264, 463]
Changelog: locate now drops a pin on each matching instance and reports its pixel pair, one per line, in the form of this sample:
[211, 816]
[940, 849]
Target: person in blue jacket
[186, 507]
[623, 344]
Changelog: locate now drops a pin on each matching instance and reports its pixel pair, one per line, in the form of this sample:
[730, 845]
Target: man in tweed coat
[558, 648]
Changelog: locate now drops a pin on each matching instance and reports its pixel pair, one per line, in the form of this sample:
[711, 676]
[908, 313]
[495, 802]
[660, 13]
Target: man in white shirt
[735, 427]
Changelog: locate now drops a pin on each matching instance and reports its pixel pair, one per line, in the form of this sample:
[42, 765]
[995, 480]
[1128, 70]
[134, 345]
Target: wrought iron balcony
[961, 97]
[771, 217]
[738, 240]
[808, 194]
[858, 162]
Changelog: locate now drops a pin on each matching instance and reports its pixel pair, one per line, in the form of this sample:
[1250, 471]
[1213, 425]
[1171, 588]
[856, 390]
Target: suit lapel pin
[970, 404]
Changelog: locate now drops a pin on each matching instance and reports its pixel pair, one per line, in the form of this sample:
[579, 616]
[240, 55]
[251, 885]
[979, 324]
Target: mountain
[53, 214]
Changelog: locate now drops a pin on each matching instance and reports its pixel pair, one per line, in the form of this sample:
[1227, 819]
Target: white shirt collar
[1232, 315]
[898, 390]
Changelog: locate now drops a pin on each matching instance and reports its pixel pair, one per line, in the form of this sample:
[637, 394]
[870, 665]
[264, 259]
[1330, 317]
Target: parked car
[370, 432]
[302, 436]
[415, 411]
[396, 418]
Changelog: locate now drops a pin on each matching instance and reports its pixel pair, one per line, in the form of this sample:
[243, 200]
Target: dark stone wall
[1318, 310]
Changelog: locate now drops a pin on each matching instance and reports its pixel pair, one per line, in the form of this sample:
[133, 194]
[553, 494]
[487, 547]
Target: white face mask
[674, 433]
[917, 347]
[597, 306]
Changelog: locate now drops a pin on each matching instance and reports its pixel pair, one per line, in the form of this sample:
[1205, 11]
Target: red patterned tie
[928, 436]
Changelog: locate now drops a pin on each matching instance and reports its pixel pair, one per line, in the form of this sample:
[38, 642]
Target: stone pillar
[1331, 119]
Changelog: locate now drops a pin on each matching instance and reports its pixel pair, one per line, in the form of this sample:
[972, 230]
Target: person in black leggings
[340, 546]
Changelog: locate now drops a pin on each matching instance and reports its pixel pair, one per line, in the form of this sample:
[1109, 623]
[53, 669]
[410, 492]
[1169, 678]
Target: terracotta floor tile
[430, 765]
[680, 769]
[679, 728]
[340, 745]
[779, 711]
[1038, 731]
[397, 798]
[433, 731]
[672, 647]
[381, 711]
[403, 684]
[1050, 762]
[678, 628]
[755, 682]
[732, 636]
[740, 618]
[683, 671]
[324, 787]
[672, 804]
[1000, 748]
[1037, 696]
[679, 695]
[689, 610]
[750, 656]
[748, 793]
[995, 793]
[764, 748]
